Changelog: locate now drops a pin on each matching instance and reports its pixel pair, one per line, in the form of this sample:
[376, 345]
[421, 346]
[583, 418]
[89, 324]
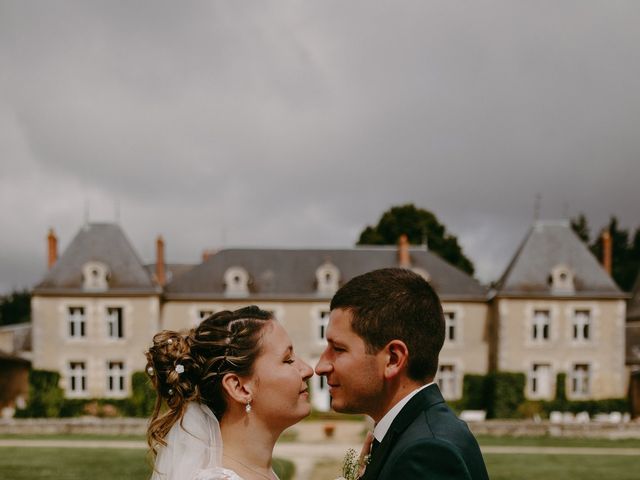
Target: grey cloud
[298, 123]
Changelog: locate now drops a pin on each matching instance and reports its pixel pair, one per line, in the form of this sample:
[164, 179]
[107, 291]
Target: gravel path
[317, 451]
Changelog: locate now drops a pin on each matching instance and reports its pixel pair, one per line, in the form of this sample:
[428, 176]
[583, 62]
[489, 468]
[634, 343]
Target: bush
[284, 468]
[504, 392]
[473, 392]
[143, 397]
[591, 406]
[45, 396]
[530, 408]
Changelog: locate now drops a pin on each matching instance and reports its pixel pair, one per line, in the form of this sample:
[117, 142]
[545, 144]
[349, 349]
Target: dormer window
[95, 277]
[236, 280]
[327, 278]
[562, 280]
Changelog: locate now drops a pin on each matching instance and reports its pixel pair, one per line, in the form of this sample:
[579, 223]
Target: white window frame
[77, 379]
[451, 325]
[580, 380]
[327, 278]
[448, 380]
[115, 324]
[95, 277]
[76, 323]
[116, 377]
[535, 380]
[320, 398]
[581, 324]
[236, 281]
[204, 313]
[322, 323]
[538, 324]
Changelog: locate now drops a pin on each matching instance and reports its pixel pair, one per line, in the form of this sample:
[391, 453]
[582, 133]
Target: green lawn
[71, 436]
[558, 442]
[72, 464]
[565, 467]
[87, 463]
[537, 467]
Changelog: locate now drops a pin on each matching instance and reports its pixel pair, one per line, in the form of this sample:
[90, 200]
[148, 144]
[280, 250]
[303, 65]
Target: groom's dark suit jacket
[427, 440]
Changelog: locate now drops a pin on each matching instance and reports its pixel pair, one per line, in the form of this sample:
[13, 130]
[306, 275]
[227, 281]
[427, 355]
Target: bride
[233, 381]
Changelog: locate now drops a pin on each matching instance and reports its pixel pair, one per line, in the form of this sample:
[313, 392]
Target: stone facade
[98, 307]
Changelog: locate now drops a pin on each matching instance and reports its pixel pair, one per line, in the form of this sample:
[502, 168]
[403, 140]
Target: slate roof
[291, 273]
[172, 270]
[546, 245]
[102, 242]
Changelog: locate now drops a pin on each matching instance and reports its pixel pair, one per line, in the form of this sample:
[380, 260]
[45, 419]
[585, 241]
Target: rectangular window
[448, 381]
[581, 325]
[541, 326]
[115, 378]
[540, 380]
[77, 377]
[204, 314]
[115, 327]
[321, 325]
[77, 322]
[450, 326]
[580, 380]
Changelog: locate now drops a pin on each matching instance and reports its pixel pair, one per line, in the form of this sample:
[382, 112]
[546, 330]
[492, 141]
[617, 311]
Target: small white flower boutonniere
[351, 467]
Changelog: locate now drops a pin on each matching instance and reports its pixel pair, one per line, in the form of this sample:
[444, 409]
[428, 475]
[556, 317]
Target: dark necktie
[374, 446]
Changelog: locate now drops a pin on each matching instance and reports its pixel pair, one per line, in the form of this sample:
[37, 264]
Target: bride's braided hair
[189, 367]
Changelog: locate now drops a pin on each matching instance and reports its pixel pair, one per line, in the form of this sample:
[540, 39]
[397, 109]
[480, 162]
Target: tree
[421, 226]
[15, 308]
[581, 227]
[625, 254]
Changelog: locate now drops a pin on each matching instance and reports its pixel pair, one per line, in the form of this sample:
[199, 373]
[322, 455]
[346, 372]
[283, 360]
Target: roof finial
[536, 207]
[86, 212]
[116, 208]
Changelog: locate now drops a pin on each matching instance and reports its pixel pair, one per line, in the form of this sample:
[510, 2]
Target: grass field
[86, 464]
[72, 464]
[19, 463]
[537, 467]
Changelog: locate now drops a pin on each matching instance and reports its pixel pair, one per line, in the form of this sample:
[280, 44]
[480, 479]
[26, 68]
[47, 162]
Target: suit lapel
[422, 400]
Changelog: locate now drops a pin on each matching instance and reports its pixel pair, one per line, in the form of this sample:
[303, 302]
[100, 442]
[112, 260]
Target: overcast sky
[297, 123]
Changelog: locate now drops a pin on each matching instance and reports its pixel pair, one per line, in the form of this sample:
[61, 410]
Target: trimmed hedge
[591, 406]
[504, 394]
[473, 392]
[46, 398]
[501, 394]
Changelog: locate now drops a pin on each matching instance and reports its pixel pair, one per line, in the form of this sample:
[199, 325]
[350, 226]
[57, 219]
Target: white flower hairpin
[180, 369]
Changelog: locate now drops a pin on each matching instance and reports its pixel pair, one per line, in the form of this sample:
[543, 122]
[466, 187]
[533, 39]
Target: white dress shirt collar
[382, 427]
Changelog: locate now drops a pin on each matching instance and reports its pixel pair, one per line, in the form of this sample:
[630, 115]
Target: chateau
[555, 309]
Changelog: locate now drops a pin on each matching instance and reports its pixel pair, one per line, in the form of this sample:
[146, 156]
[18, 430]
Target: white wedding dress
[194, 449]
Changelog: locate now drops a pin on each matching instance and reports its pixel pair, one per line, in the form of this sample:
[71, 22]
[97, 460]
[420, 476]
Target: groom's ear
[396, 355]
[237, 388]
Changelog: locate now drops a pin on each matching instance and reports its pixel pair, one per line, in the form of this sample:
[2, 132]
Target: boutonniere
[352, 465]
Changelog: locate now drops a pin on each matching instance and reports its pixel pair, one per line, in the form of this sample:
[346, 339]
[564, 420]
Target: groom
[385, 332]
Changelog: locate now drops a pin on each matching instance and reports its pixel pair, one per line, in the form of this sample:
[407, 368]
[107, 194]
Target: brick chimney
[206, 254]
[404, 260]
[606, 251]
[52, 247]
[161, 277]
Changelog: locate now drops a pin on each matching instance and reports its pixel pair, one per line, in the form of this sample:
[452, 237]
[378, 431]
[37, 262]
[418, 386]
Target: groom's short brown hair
[396, 304]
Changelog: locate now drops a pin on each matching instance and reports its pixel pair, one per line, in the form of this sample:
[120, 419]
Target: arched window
[327, 278]
[562, 280]
[236, 280]
[95, 276]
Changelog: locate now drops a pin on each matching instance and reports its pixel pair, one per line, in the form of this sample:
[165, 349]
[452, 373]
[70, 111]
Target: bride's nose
[306, 371]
